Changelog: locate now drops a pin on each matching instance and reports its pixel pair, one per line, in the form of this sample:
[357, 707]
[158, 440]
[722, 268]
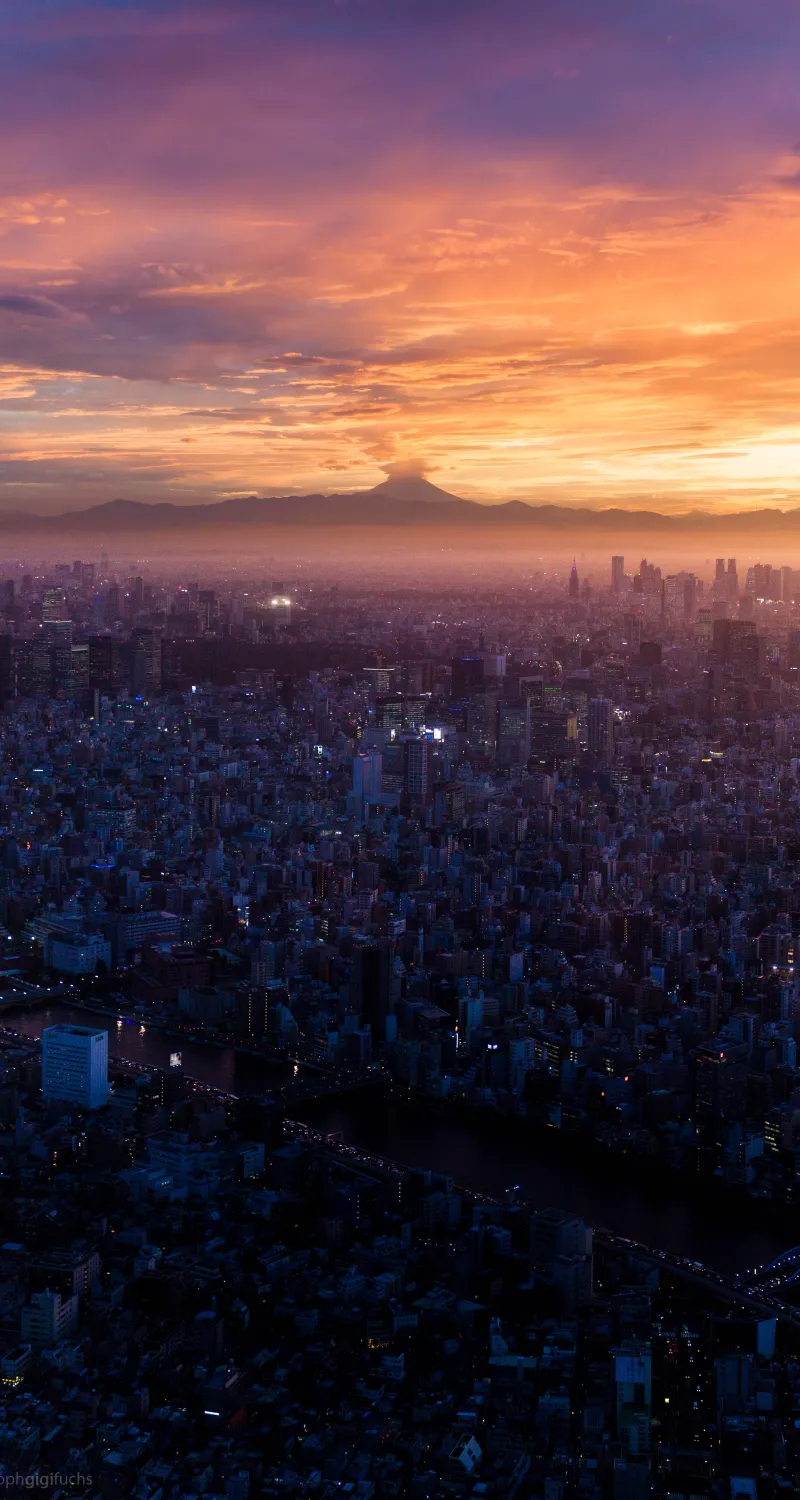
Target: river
[225, 1068]
[727, 1235]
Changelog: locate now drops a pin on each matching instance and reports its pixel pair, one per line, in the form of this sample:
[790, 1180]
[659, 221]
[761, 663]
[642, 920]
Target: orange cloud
[542, 256]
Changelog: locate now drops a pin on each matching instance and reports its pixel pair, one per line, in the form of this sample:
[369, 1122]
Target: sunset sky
[537, 249]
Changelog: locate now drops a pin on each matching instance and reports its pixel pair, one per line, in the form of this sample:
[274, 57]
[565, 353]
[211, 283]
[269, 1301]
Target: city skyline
[293, 249]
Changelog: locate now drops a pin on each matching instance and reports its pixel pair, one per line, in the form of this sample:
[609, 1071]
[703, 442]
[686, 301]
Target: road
[725, 1288]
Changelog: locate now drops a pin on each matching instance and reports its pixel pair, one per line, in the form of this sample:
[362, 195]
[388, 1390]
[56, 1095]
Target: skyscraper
[600, 727]
[417, 769]
[252, 1012]
[75, 1065]
[146, 669]
[574, 582]
[54, 605]
[368, 775]
[513, 732]
[56, 657]
[370, 985]
[467, 674]
[720, 1080]
[617, 573]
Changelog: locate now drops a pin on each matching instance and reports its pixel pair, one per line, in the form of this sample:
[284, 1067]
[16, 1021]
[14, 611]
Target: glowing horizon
[292, 247]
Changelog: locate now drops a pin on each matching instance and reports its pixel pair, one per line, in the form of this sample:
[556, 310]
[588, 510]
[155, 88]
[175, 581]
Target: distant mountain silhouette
[401, 502]
[416, 490]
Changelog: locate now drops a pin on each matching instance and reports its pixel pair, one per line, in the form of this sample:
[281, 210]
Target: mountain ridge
[401, 502]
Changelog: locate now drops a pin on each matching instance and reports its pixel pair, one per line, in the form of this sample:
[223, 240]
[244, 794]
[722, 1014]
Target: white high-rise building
[75, 1065]
[48, 1317]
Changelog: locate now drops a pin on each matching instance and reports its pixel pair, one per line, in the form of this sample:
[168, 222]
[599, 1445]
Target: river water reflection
[224, 1068]
[730, 1237]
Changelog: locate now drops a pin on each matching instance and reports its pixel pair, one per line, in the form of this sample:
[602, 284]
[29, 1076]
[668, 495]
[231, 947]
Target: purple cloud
[31, 307]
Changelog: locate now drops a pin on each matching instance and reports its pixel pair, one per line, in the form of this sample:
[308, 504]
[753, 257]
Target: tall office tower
[481, 721]
[135, 596]
[367, 776]
[418, 676]
[600, 727]
[280, 610]
[766, 581]
[54, 604]
[169, 1083]
[532, 688]
[680, 595]
[467, 674]
[78, 672]
[251, 1012]
[494, 664]
[147, 660]
[736, 644]
[75, 1065]
[732, 579]
[617, 574]
[390, 711]
[513, 732]
[41, 666]
[632, 1367]
[112, 610]
[650, 653]
[649, 579]
[417, 769]
[720, 1080]
[208, 608]
[105, 663]
[574, 581]
[632, 626]
[56, 656]
[8, 669]
[370, 985]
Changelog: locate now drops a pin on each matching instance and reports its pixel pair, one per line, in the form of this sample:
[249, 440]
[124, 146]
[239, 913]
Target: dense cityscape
[523, 860]
[400, 750]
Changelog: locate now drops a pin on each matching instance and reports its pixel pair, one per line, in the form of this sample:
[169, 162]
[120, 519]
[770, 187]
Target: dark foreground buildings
[530, 854]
